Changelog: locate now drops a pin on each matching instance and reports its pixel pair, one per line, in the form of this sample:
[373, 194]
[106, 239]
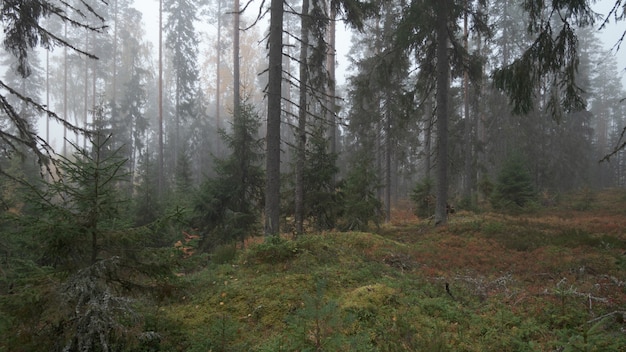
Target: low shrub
[224, 254]
[273, 250]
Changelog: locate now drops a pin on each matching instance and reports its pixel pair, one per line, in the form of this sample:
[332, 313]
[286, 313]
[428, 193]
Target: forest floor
[553, 279]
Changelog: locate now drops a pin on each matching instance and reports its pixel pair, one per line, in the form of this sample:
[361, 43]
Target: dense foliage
[227, 207]
[514, 186]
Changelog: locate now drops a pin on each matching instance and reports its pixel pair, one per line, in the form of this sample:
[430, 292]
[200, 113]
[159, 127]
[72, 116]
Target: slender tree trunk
[161, 175]
[218, 76]
[388, 147]
[302, 112]
[47, 95]
[443, 85]
[379, 149]
[331, 58]
[272, 190]
[86, 92]
[467, 133]
[94, 69]
[479, 136]
[236, 83]
[114, 89]
[65, 92]
[176, 121]
[428, 130]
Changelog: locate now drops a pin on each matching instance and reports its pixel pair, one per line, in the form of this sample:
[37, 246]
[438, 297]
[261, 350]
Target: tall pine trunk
[114, 61]
[388, 152]
[428, 131]
[48, 95]
[161, 175]
[272, 188]
[218, 76]
[65, 92]
[236, 88]
[467, 133]
[331, 57]
[302, 112]
[443, 85]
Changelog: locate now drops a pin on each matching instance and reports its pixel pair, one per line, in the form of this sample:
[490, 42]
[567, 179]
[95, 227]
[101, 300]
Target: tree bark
[48, 95]
[428, 137]
[467, 133]
[218, 78]
[388, 153]
[161, 175]
[272, 188]
[443, 85]
[114, 61]
[331, 106]
[65, 92]
[302, 112]
[236, 79]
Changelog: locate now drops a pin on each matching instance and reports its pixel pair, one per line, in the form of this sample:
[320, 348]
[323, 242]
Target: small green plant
[226, 207]
[423, 198]
[318, 324]
[223, 333]
[223, 254]
[361, 206]
[593, 336]
[585, 201]
[514, 187]
[273, 250]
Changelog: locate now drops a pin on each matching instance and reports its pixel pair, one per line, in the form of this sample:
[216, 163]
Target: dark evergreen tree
[147, 207]
[431, 30]
[22, 34]
[182, 40]
[228, 207]
[84, 257]
[423, 197]
[514, 185]
[553, 54]
[129, 121]
[320, 202]
[361, 205]
[81, 206]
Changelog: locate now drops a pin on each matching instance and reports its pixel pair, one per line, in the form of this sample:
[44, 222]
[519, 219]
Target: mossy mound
[369, 298]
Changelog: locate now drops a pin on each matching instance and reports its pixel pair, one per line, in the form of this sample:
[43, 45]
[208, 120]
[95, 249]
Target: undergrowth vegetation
[550, 280]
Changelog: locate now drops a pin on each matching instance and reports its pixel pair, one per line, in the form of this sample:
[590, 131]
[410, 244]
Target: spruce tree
[228, 206]
[514, 187]
[361, 206]
[183, 42]
[320, 197]
[81, 206]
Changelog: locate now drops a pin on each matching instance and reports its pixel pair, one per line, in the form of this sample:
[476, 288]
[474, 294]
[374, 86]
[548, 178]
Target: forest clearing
[552, 279]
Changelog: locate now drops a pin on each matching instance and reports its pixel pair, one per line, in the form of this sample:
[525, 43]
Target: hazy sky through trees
[150, 9]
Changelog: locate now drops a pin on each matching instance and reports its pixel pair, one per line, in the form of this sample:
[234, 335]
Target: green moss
[269, 295]
[368, 300]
